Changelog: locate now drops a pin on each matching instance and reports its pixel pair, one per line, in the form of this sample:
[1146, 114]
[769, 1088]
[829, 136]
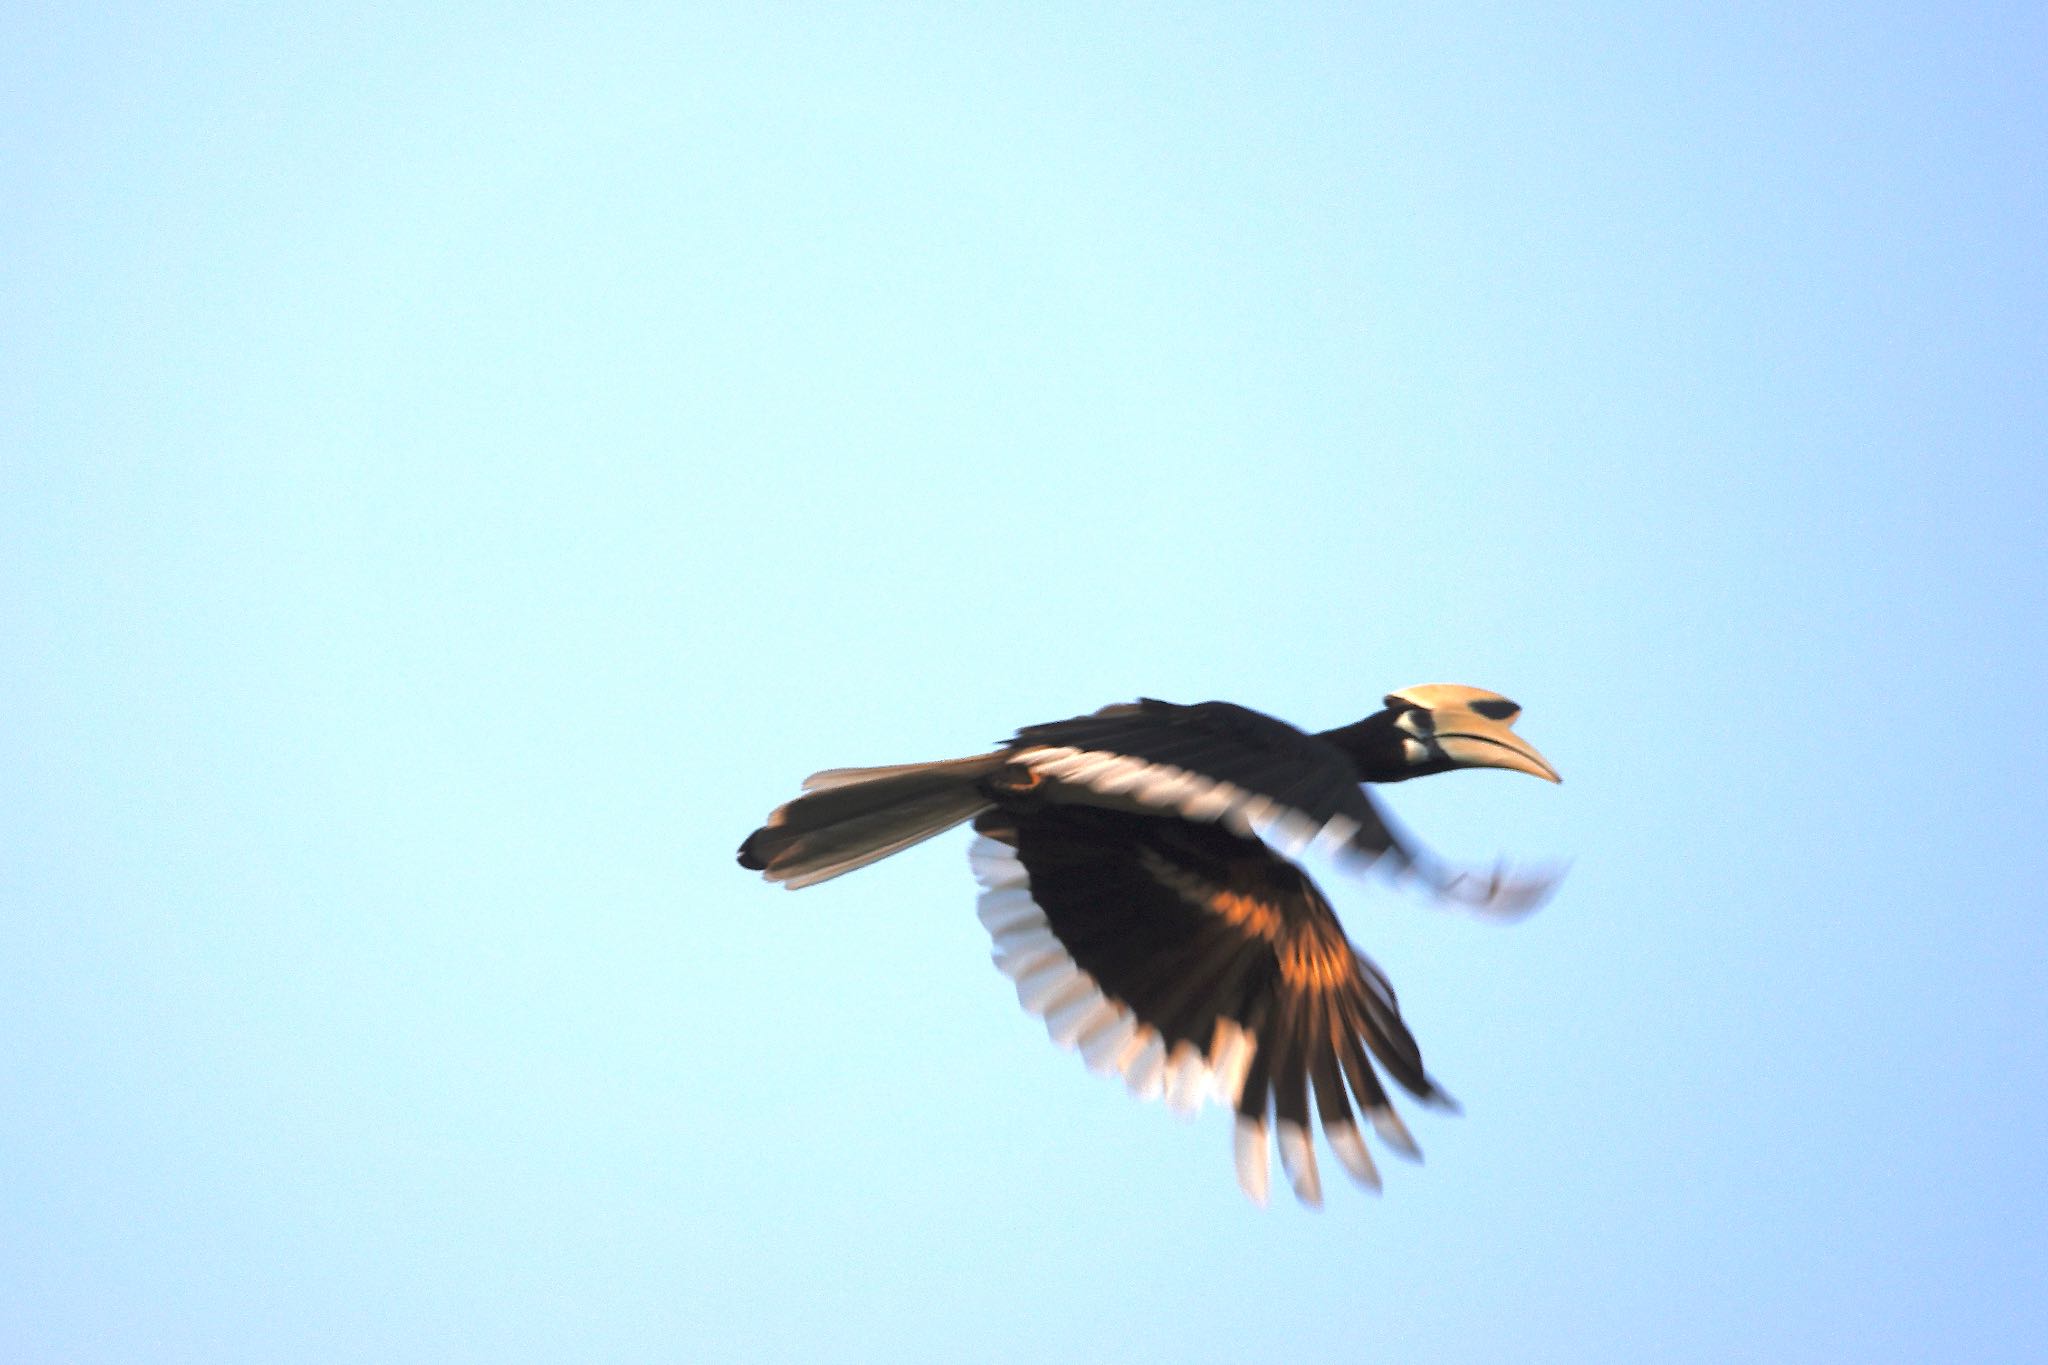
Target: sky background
[459, 471]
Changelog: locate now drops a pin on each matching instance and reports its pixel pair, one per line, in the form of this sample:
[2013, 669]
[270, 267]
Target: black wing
[1211, 762]
[1198, 963]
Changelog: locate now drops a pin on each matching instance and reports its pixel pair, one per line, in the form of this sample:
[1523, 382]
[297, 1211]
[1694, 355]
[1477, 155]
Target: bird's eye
[1501, 709]
[1417, 721]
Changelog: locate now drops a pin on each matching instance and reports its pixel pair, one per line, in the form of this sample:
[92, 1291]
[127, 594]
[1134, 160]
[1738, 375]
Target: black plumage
[1137, 881]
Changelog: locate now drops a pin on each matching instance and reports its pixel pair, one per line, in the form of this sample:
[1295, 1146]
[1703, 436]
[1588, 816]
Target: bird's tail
[850, 817]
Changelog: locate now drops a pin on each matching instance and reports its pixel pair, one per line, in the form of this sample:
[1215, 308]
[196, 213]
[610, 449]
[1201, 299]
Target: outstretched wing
[1199, 964]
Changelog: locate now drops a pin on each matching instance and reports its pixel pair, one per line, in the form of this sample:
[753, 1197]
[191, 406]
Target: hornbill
[1138, 878]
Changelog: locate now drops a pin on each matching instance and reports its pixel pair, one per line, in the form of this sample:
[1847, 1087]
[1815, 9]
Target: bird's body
[1138, 880]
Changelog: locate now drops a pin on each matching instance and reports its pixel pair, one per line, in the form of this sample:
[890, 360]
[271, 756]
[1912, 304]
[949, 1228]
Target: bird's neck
[1374, 747]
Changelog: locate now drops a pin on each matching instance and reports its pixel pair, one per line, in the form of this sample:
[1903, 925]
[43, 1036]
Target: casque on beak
[1470, 728]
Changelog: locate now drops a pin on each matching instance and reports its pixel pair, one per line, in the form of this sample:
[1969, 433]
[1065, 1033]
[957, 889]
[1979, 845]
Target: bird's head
[1436, 727]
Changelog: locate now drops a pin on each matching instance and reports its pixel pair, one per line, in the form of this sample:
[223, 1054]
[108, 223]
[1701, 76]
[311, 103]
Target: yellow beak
[1472, 741]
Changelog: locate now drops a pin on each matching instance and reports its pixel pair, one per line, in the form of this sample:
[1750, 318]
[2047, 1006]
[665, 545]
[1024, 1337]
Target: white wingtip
[1083, 1015]
[1349, 1146]
[1204, 798]
[1025, 936]
[994, 863]
[1335, 833]
[1298, 1159]
[1230, 1055]
[1078, 986]
[1119, 776]
[1037, 986]
[1248, 1150]
[1000, 908]
[1393, 1132]
[1147, 1070]
[1187, 1080]
[1292, 832]
[1017, 966]
[1103, 1046]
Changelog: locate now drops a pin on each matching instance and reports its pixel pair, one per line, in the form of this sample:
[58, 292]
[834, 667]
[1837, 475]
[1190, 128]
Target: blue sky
[458, 472]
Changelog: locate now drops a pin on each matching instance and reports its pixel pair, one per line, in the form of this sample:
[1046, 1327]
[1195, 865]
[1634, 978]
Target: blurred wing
[1198, 964]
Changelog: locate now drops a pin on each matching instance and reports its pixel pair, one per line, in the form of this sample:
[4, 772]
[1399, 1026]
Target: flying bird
[1138, 877]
